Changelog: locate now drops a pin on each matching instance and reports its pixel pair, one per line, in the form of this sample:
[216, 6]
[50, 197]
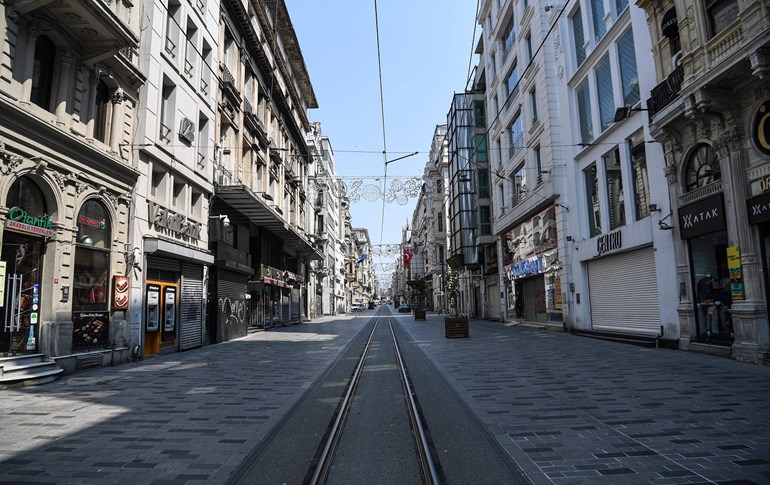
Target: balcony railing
[222, 176]
[227, 76]
[516, 146]
[666, 92]
[170, 47]
[204, 86]
[165, 133]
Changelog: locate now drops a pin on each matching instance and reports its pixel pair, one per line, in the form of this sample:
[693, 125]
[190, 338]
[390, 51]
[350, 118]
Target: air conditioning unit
[187, 130]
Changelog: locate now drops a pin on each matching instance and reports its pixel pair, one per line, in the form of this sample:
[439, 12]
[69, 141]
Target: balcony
[254, 123]
[666, 92]
[227, 84]
[222, 176]
[229, 257]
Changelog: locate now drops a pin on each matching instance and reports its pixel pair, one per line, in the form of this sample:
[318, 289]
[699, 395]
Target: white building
[622, 259]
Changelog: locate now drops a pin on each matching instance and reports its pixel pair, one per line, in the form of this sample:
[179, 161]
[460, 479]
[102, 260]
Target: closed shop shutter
[164, 264]
[192, 307]
[493, 296]
[232, 306]
[624, 293]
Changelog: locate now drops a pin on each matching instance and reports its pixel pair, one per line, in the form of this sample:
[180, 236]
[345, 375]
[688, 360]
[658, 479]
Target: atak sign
[706, 215]
[21, 220]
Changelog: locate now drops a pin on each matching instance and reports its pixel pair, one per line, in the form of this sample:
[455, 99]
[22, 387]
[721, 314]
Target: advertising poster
[153, 308]
[736, 275]
[120, 286]
[90, 329]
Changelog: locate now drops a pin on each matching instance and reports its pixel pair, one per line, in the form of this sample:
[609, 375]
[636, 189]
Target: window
[584, 112]
[639, 172]
[203, 139]
[42, 73]
[439, 186]
[196, 203]
[519, 184]
[158, 184]
[481, 149]
[501, 191]
[440, 220]
[512, 84]
[190, 54]
[605, 94]
[592, 198]
[205, 73]
[509, 37]
[628, 76]
[613, 176]
[517, 135]
[579, 38]
[620, 5]
[483, 183]
[102, 112]
[721, 13]
[538, 164]
[703, 168]
[178, 199]
[485, 228]
[172, 28]
[533, 104]
[597, 16]
[167, 109]
[478, 114]
[528, 45]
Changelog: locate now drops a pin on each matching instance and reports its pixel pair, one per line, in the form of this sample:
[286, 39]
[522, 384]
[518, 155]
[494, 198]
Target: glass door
[20, 313]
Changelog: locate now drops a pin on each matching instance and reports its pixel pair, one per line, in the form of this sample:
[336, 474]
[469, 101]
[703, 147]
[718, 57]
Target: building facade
[69, 83]
[708, 110]
[261, 171]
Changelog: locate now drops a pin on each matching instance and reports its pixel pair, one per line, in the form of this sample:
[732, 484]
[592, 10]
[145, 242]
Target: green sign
[21, 220]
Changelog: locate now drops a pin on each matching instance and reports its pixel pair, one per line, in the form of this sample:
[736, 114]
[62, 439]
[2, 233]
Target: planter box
[419, 314]
[456, 327]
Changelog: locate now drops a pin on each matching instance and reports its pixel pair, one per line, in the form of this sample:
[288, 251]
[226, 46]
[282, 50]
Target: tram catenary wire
[428, 466]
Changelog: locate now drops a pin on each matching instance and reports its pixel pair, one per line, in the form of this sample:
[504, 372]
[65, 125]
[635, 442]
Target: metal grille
[192, 307]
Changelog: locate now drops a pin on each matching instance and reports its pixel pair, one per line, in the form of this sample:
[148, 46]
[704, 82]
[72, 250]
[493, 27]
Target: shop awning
[255, 209]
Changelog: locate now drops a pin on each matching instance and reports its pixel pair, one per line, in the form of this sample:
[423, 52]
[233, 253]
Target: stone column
[33, 33]
[93, 82]
[66, 61]
[118, 115]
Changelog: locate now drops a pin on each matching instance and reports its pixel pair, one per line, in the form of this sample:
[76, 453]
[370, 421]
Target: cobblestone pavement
[188, 417]
[572, 409]
[567, 409]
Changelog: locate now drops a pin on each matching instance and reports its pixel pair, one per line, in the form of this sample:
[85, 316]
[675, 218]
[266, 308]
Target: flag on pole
[407, 257]
[361, 259]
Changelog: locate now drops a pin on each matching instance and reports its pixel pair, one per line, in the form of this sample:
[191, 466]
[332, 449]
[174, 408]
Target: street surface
[565, 409]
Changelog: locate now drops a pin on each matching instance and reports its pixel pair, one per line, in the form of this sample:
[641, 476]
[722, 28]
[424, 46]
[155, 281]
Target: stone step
[21, 359]
[34, 379]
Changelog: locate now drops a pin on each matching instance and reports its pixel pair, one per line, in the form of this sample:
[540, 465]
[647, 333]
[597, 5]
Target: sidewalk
[576, 410]
[189, 417]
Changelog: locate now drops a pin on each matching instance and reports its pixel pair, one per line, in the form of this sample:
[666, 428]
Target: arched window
[92, 258]
[703, 168]
[102, 112]
[42, 73]
[26, 194]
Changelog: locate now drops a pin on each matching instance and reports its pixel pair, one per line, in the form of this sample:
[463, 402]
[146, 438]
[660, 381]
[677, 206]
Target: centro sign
[160, 217]
[609, 242]
[21, 220]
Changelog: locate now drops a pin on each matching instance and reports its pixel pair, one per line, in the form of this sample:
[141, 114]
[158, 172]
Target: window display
[713, 298]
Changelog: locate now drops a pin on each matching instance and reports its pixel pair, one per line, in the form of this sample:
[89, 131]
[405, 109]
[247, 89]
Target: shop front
[27, 227]
[702, 226]
[280, 297]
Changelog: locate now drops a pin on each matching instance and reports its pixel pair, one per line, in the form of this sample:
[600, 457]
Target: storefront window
[90, 305]
[592, 197]
[639, 172]
[22, 252]
[713, 298]
[613, 175]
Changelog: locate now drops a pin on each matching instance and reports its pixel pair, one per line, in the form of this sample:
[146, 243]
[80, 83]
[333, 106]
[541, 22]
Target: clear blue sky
[425, 49]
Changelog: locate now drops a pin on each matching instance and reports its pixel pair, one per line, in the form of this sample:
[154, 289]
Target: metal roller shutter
[493, 297]
[232, 306]
[624, 293]
[192, 307]
[164, 264]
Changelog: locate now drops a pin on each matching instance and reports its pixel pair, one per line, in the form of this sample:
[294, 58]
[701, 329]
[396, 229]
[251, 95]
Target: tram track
[325, 459]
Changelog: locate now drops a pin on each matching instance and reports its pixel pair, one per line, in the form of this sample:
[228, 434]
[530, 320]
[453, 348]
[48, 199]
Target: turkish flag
[407, 257]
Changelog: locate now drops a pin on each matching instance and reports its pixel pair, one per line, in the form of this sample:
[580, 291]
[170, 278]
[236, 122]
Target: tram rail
[428, 467]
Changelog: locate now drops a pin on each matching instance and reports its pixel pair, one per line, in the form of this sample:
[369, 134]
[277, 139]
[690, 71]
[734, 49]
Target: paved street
[568, 409]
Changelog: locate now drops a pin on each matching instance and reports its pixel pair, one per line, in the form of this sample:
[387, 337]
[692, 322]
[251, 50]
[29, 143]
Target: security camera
[226, 221]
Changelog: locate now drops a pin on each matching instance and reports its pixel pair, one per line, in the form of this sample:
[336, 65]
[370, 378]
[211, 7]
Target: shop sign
[759, 209]
[91, 222]
[736, 275]
[527, 267]
[160, 217]
[120, 286]
[761, 132]
[21, 220]
[702, 217]
[609, 242]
